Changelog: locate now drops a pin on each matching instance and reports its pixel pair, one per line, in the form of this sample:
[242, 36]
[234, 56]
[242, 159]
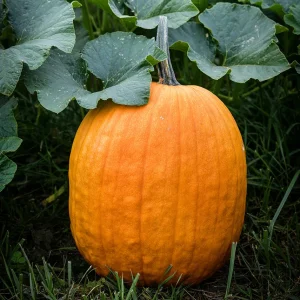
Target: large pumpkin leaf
[146, 13]
[39, 25]
[193, 38]
[8, 139]
[293, 18]
[57, 81]
[62, 76]
[122, 60]
[7, 171]
[246, 42]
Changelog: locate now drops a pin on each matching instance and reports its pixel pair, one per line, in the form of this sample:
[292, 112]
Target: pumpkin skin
[158, 185]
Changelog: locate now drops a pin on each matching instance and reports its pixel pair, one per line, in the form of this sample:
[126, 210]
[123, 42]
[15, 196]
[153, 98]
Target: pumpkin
[158, 185]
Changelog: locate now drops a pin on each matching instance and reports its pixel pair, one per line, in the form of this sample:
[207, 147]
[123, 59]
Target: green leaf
[193, 38]
[8, 139]
[157, 56]
[39, 25]
[146, 13]
[61, 78]
[7, 171]
[284, 4]
[280, 28]
[56, 82]
[9, 144]
[121, 61]
[8, 124]
[76, 4]
[246, 42]
[296, 65]
[18, 258]
[293, 18]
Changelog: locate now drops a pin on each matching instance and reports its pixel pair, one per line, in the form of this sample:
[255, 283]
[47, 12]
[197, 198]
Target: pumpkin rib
[72, 204]
[146, 150]
[196, 203]
[160, 92]
[188, 262]
[238, 175]
[208, 104]
[107, 123]
[106, 208]
[237, 178]
[178, 176]
[144, 157]
[88, 125]
[211, 105]
[235, 156]
[165, 97]
[197, 214]
[105, 120]
[128, 118]
[205, 104]
[108, 146]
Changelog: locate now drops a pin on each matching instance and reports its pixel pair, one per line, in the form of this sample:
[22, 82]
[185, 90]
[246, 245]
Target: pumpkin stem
[165, 69]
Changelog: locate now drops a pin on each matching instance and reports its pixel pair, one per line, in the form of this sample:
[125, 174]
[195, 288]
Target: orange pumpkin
[158, 185]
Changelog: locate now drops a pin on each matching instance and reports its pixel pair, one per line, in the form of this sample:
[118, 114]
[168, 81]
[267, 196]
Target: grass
[38, 258]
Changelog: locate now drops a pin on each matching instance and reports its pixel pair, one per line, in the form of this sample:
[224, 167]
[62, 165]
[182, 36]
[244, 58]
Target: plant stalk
[165, 69]
[86, 16]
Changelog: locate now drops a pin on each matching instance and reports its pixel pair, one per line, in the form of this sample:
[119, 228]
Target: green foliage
[38, 26]
[247, 45]
[61, 78]
[123, 68]
[146, 14]
[125, 75]
[275, 4]
[76, 4]
[9, 141]
[293, 18]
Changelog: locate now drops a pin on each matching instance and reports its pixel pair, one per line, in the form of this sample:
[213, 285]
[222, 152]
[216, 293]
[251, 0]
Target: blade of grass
[34, 282]
[9, 275]
[231, 267]
[32, 286]
[168, 269]
[69, 273]
[16, 282]
[132, 287]
[284, 199]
